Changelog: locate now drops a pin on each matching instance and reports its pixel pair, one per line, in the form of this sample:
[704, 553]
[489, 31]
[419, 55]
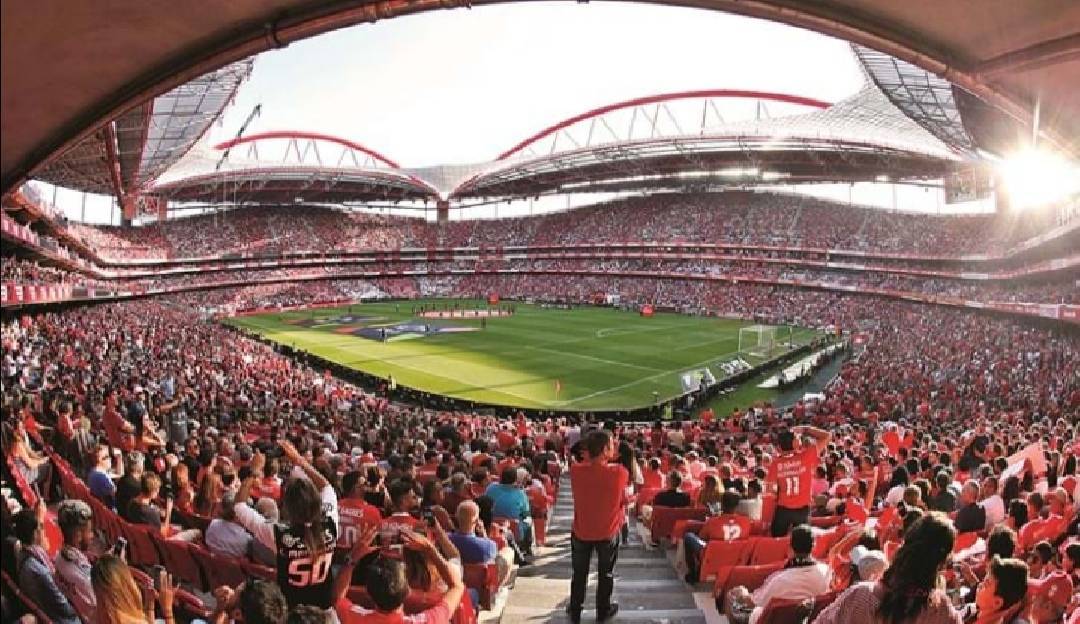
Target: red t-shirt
[506, 439]
[356, 515]
[792, 473]
[1038, 530]
[599, 499]
[727, 527]
[348, 613]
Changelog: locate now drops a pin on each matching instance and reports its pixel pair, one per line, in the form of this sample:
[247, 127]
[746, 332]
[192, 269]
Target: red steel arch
[666, 97]
[314, 136]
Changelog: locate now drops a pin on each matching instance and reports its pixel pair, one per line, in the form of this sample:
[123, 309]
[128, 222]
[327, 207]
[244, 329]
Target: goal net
[758, 340]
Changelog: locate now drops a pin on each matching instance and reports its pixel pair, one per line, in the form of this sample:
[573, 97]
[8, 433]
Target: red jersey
[792, 473]
[599, 499]
[727, 527]
[356, 515]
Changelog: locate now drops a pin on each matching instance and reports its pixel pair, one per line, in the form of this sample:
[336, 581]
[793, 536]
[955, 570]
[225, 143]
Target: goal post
[758, 340]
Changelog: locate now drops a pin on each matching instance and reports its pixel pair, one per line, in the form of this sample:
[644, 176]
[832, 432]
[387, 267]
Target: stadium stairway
[646, 585]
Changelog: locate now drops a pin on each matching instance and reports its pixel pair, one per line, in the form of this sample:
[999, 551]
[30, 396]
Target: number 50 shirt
[792, 473]
[304, 576]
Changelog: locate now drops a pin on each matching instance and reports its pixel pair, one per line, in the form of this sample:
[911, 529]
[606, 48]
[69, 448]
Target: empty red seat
[142, 549]
[218, 570]
[770, 550]
[181, 562]
[664, 518]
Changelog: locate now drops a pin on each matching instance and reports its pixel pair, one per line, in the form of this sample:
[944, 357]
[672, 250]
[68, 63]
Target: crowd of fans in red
[731, 217]
[1061, 291]
[222, 437]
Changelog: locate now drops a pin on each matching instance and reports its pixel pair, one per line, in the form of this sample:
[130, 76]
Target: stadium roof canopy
[116, 55]
[677, 140]
[128, 153]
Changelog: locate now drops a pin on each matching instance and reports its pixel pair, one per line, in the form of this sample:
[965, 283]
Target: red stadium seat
[720, 557]
[484, 578]
[29, 605]
[218, 570]
[645, 497]
[664, 518]
[748, 576]
[180, 560]
[682, 527]
[965, 541]
[786, 611]
[142, 546]
[769, 550]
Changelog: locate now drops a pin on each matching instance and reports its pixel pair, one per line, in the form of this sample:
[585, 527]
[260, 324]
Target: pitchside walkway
[646, 586]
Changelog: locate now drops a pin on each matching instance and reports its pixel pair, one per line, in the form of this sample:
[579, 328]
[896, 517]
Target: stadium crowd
[733, 217]
[18, 270]
[346, 500]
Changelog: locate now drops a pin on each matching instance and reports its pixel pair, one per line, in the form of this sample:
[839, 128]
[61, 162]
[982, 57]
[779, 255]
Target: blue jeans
[693, 546]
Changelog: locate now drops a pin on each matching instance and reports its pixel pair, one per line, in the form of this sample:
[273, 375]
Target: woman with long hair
[910, 591]
[304, 545]
[208, 497]
[710, 492]
[119, 600]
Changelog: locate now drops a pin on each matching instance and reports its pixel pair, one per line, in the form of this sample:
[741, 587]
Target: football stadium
[342, 311]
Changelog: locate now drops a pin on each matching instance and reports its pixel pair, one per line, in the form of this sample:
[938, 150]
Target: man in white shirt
[225, 536]
[992, 503]
[803, 578]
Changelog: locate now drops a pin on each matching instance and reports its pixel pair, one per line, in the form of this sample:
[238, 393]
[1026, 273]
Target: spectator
[511, 502]
[727, 526]
[970, 516]
[305, 546]
[388, 587]
[99, 480]
[225, 536]
[791, 475]
[76, 522]
[999, 598]
[130, 484]
[908, 593]
[36, 572]
[599, 490]
[259, 602]
[802, 578]
[119, 599]
[991, 502]
[673, 495]
[942, 499]
[356, 513]
[475, 546]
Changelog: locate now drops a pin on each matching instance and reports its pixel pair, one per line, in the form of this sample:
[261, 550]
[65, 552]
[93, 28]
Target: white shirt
[263, 529]
[995, 511]
[228, 539]
[791, 584]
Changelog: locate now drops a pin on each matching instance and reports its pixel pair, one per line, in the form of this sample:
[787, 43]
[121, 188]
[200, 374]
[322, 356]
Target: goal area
[759, 340]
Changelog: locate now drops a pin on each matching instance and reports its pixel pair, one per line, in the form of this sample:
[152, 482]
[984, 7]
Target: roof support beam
[1032, 57]
[112, 161]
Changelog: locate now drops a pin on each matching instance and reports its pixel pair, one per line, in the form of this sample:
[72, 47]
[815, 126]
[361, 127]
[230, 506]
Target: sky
[463, 85]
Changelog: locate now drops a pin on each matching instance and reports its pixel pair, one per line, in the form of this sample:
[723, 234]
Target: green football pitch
[586, 358]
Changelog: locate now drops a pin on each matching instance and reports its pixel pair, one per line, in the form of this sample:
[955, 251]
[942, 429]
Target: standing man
[599, 488]
[791, 473]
